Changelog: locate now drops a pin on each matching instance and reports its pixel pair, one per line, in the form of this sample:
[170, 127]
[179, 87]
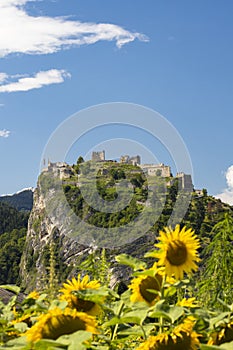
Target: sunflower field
[160, 309]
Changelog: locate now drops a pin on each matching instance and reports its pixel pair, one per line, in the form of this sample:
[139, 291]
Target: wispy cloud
[4, 133]
[227, 194]
[22, 33]
[40, 79]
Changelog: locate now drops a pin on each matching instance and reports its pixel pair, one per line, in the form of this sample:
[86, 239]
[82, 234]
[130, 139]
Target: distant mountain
[22, 200]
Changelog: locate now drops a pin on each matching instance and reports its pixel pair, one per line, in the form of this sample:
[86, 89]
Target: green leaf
[175, 313]
[160, 310]
[21, 327]
[135, 264]
[62, 304]
[75, 340]
[227, 346]
[216, 321]
[94, 295]
[145, 273]
[11, 288]
[169, 292]
[112, 322]
[47, 344]
[151, 254]
[17, 344]
[137, 316]
[210, 347]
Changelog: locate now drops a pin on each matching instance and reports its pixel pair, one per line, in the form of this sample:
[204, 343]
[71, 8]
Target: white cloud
[52, 76]
[4, 133]
[22, 33]
[227, 194]
[3, 77]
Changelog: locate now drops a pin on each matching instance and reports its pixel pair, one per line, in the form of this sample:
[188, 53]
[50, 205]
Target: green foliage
[97, 266]
[11, 248]
[217, 272]
[11, 218]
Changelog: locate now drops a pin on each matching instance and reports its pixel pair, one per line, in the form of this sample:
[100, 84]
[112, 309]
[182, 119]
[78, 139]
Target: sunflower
[178, 251]
[188, 302]
[74, 285]
[181, 338]
[33, 295]
[24, 318]
[223, 336]
[58, 322]
[143, 285]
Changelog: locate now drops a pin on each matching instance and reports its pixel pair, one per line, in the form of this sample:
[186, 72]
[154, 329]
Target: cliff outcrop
[52, 226]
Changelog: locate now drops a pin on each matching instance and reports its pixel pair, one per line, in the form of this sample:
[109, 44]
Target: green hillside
[203, 213]
[13, 229]
[22, 201]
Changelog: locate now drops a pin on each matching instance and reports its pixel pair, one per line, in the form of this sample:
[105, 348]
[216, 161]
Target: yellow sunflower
[33, 295]
[68, 295]
[189, 302]
[223, 336]
[142, 285]
[178, 251]
[58, 322]
[181, 338]
[24, 318]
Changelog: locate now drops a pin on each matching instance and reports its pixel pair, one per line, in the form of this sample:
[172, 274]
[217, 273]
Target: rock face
[42, 232]
[49, 229]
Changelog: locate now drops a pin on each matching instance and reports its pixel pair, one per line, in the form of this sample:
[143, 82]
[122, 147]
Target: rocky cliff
[50, 227]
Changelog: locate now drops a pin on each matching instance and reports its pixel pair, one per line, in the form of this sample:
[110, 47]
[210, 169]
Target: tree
[217, 274]
[80, 160]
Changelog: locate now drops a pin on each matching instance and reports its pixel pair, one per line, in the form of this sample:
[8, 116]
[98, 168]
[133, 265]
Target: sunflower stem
[162, 297]
[143, 331]
[116, 326]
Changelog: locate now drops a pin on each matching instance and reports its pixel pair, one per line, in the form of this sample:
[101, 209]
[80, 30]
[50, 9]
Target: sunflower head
[223, 336]
[181, 338]
[58, 322]
[147, 287]
[177, 251]
[68, 294]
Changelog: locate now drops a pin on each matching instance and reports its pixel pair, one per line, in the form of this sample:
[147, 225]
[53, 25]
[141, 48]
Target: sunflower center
[82, 305]
[227, 337]
[178, 343]
[176, 253]
[150, 283]
[60, 325]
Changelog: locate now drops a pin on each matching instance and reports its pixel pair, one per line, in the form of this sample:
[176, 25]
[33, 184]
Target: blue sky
[58, 57]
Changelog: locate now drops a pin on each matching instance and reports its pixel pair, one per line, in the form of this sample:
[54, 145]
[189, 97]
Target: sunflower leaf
[48, 344]
[21, 327]
[227, 346]
[11, 288]
[75, 340]
[175, 313]
[145, 273]
[95, 295]
[169, 292]
[160, 310]
[135, 264]
[211, 347]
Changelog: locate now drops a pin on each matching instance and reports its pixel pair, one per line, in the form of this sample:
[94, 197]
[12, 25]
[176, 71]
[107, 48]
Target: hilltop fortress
[185, 180]
[63, 171]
